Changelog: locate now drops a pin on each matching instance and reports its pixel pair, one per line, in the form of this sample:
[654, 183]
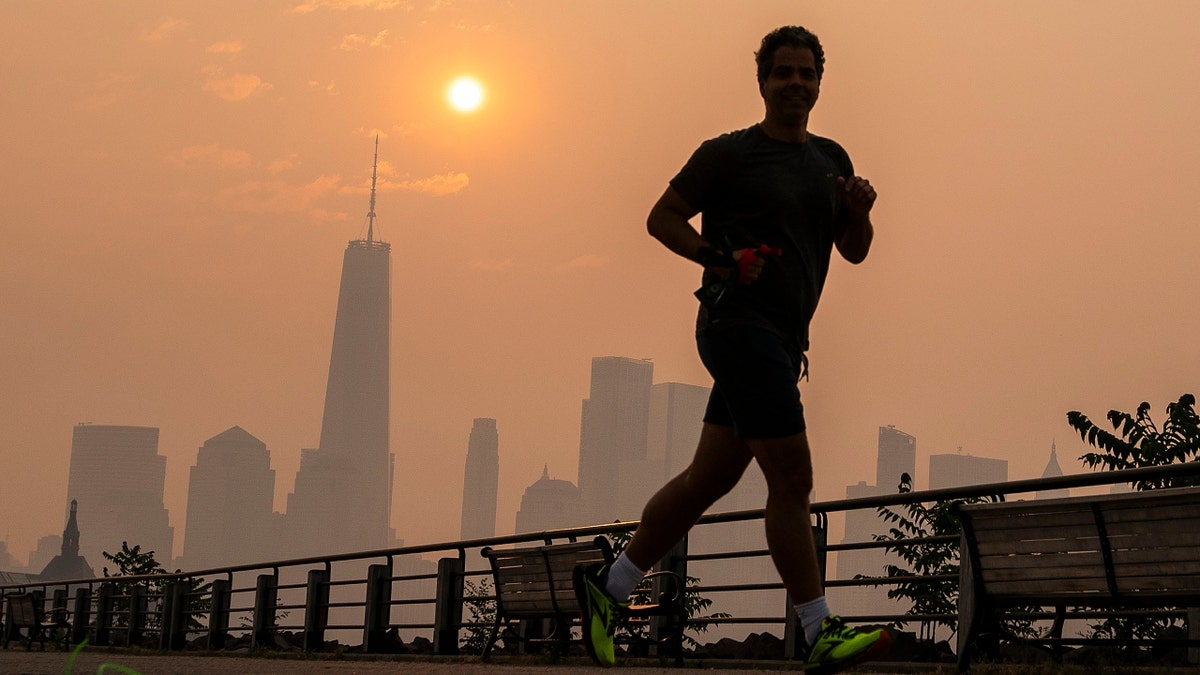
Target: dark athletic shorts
[755, 376]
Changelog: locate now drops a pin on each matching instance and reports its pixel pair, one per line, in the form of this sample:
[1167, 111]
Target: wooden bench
[24, 612]
[1132, 550]
[535, 583]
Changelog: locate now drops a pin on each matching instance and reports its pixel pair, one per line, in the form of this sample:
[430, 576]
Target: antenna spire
[371, 211]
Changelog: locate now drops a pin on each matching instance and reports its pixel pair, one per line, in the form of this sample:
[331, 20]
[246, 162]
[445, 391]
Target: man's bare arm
[669, 222]
[858, 196]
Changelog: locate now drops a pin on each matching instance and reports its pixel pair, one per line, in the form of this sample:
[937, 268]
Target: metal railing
[376, 599]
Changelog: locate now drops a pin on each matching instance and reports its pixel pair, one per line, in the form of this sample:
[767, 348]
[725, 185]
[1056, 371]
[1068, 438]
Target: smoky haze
[180, 183]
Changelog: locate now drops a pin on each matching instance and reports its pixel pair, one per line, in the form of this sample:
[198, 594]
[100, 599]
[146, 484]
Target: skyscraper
[676, 416]
[480, 481]
[612, 431]
[342, 497]
[896, 455]
[231, 491]
[955, 470]
[117, 478]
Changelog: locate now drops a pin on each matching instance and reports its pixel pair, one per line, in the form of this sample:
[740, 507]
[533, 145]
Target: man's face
[792, 86]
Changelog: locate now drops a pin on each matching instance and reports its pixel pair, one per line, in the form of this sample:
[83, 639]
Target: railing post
[316, 610]
[448, 607]
[175, 615]
[104, 614]
[1193, 624]
[39, 600]
[137, 615]
[81, 615]
[11, 632]
[378, 607]
[218, 614]
[266, 595]
[59, 603]
[674, 561]
[793, 633]
[166, 610]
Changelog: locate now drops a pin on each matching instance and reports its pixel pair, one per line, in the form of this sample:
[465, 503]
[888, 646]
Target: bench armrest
[672, 591]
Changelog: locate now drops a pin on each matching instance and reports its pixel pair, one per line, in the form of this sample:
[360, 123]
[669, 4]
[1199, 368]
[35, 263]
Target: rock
[755, 646]
[906, 648]
[421, 645]
[1171, 654]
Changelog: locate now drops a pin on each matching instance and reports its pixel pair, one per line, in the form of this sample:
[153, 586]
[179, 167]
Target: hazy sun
[465, 94]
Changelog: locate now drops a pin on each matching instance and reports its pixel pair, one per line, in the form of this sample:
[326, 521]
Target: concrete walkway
[98, 661]
[105, 662]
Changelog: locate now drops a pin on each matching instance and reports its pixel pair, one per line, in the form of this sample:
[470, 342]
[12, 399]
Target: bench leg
[1055, 633]
[968, 613]
[491, 641]
[1193, 624]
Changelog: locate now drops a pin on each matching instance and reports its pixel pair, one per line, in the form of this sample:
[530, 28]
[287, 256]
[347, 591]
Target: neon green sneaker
[839, 646]
[600, 612]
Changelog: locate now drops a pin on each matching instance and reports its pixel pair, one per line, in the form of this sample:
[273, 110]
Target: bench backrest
[536, 581]
[21, 610]
[1134, 548]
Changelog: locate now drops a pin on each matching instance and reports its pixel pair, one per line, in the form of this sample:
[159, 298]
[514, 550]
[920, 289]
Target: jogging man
[775, 201]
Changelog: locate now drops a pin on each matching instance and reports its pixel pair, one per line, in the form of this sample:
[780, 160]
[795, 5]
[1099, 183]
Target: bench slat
[1187, 534]
[1137, 513]
[1027, 546]
[1038, 574]
[1005, 561]
[1184, 560]
[1009, 522]
[1159, 579]
[1047, 588]
[1054, 532]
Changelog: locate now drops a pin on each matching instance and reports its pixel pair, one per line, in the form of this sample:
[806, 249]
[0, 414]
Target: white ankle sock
[623, 577]
[811, 614]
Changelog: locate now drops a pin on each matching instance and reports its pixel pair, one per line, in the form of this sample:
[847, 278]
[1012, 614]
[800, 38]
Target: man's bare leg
[718, 465]
[787, 465]
[720, 460]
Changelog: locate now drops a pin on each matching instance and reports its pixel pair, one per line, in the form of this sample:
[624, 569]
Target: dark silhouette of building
[342, 497]
[7, 561]
[1052, 470]
[47, 547]
[69, 564]
[896, 455]
[231, 492]
[481, 477]
[550, 504]
[677, 412]
[612, 434]
[118, 475]
[956, 469]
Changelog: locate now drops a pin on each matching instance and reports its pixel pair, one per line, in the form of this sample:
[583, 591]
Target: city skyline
[180, 181]
[250, 539]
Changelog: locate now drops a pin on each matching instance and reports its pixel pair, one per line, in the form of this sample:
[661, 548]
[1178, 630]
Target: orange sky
[180, 179]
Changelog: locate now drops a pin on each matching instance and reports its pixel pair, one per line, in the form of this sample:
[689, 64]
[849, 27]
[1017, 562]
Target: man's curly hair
[787, 36]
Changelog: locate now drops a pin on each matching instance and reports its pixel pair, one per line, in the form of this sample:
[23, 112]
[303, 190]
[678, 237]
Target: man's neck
[788, 132]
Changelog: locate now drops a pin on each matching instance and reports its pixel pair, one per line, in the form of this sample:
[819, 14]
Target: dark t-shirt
[751, 190]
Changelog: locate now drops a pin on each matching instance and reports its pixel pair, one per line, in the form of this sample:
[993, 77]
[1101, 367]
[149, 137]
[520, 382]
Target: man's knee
[787, 465]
